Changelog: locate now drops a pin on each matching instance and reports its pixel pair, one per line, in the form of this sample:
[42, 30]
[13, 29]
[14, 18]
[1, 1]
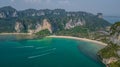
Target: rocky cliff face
[45, 25]
[59, 19]
[115, 33]
[19, 27]
[73, 23]
[111, 53]
[110, 60]
[8, 12]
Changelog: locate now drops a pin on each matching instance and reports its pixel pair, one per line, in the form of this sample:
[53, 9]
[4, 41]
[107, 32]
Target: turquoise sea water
[47, 52]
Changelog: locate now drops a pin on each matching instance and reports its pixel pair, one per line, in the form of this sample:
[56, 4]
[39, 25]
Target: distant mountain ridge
[8, 11]
[30, 20]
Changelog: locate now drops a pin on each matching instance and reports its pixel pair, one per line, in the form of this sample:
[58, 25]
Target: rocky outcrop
[2, 15]
[14, 14]
[60, 19]
[19, 27]
[39, 27]
[100, 15]
[43, 26]
[46, 25]
[110, 60]
[73, 23]
[112, 50]
[8, 11]
[115, 33]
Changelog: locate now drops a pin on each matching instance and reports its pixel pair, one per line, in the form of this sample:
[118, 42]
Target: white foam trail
[25, 47]
[40, 47]
[31, 57]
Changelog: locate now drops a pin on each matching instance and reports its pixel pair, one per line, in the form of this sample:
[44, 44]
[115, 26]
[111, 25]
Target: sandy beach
[15, 33]
[82, 39]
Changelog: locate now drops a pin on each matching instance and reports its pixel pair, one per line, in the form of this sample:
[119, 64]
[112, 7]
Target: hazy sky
[108, 7]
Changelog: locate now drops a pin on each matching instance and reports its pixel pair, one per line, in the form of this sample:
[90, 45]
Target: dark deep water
[47, 52]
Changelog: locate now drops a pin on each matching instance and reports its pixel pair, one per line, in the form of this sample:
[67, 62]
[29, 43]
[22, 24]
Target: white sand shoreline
[15, 33]
[77, 38]
[54, 36]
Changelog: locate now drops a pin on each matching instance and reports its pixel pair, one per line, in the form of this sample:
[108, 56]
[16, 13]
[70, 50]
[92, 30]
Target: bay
[48, 52]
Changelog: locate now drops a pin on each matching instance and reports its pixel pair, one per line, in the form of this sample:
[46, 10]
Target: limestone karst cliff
[19, 27]
[73, 23]
[111, 53]
[31, 20]
[45, 25]
[115, 33]
[8, 11]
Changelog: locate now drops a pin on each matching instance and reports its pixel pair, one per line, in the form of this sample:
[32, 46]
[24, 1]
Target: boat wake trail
[40, 47]
[25, 47]
[31, 57]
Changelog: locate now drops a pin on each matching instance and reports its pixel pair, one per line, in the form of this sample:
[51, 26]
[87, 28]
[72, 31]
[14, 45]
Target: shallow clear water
[48, 52]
